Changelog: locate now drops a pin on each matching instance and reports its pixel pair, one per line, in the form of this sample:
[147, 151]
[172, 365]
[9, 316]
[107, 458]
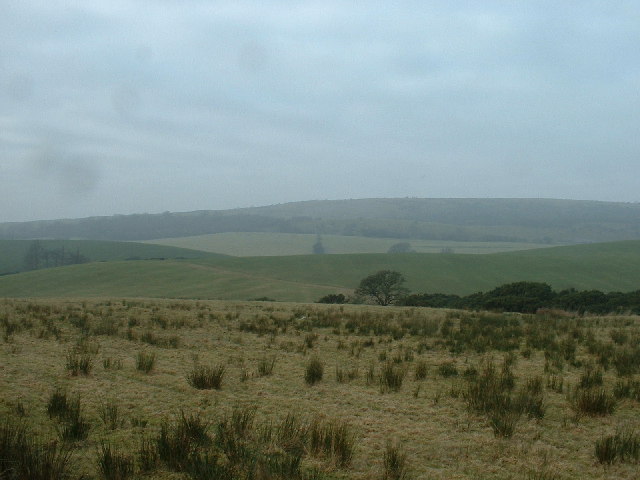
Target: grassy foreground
[265, 390]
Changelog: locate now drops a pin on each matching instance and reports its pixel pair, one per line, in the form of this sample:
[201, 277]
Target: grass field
[405, 385]
[606, 267]
[280, 244]
[12, 252]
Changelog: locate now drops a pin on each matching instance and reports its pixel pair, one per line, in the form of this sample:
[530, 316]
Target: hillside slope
[606, 267]
[12, 252]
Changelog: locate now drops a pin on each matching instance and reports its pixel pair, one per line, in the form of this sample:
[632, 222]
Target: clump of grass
[177, 441]
[421, 370]
[205, 377]
[69, 412]
[503, 422]
[370, 375]
[58, 404]
[555, 383]
[112, 364]
[110, 414]
[624, 446]
[291, 434]
[22, 456]
[394, 463]
[77, 363]
[627, 389]
[145, 361]
[592, 402]
[391, 377]
[75, 426]
[114, 465]
[448, 369]
[333, 439]
[266, 366]
[147, 455]
[591, 377]
[314, 370]
[530, 399]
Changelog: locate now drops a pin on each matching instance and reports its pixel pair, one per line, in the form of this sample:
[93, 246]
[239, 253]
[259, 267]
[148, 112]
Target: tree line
[386, 288]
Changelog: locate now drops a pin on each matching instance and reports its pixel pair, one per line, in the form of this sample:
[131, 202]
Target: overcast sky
[146, 106]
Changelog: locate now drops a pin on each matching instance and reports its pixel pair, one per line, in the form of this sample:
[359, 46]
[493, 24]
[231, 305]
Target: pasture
[305, 278]
[253, 244]
[277, 390]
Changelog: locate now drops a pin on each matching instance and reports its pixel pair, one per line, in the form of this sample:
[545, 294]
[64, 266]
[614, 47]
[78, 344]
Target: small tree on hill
[385, 286]
[318, 248]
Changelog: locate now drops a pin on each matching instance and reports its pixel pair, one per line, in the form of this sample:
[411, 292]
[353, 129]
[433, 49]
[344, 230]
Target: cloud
[74, 177]
[290, 101]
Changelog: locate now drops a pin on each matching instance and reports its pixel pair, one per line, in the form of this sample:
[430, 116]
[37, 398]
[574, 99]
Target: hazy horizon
[152, 106]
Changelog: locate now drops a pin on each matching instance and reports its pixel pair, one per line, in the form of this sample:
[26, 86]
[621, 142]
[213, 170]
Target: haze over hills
[492, 220]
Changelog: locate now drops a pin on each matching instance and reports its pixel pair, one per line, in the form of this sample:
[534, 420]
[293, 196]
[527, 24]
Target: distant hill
[12, 252]
[305, 278]
[487, 220]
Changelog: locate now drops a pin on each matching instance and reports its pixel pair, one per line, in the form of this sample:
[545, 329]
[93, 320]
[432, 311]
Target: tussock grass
[266, 366]
[205, 377]
[114, 465]
[78, 363]
[145, 361]
[110, 414]
[391, 377]
[395, 464]
[314, 370]
[623, 446]
[23, 456]
[592, 402]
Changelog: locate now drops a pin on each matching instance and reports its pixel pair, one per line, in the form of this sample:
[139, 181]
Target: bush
[206, 378]
[314, 371]
[335, 298]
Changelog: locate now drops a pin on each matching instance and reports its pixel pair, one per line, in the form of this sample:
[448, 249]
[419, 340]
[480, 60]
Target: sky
[148, 106]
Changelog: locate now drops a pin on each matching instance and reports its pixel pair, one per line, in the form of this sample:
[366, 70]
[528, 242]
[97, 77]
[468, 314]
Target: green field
[257, 244]
[606, 267]
[12, 252]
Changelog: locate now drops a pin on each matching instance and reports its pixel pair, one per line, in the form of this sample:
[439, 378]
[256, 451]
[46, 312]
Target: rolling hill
[606, 267]
[12, 252]
[477, 220]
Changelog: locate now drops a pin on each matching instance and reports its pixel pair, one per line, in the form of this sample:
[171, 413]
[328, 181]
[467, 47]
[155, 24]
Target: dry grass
[440, 436]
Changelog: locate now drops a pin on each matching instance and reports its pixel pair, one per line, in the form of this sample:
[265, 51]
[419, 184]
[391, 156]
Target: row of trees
[38, 256]
[386, 287]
